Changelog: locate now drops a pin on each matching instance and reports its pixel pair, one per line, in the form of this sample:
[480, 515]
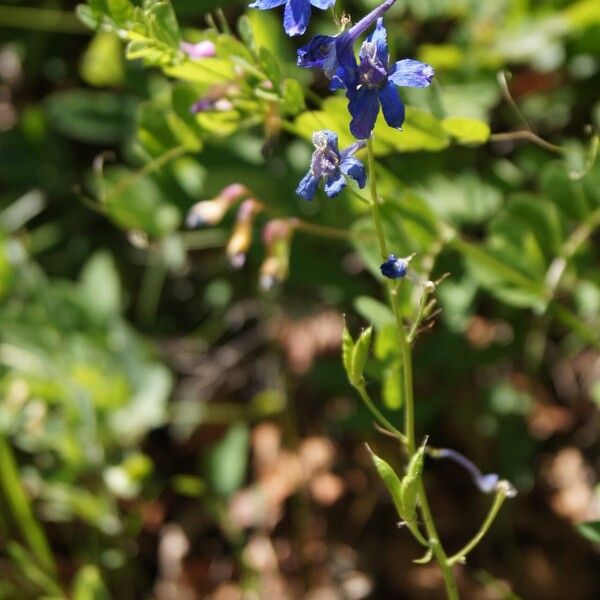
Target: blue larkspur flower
[297, 12]
[331, 166]
[335, 54]
[486, 483]
[372, 82]
[395, 268]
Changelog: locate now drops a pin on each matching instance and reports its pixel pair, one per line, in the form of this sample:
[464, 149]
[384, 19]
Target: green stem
[41, 19]
[409, 410]
[378, 415]
[153, 281]
[528, 136]
[436, 545]
[375, 202]
[149, 167]
[462, 553]
[20, 508]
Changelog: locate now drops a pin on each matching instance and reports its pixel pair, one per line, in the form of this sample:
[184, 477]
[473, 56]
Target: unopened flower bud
[277, 236]
[395, 268]
[216, 99]
[211, 212]
[204, 49]
[241, 238]
[429, 287]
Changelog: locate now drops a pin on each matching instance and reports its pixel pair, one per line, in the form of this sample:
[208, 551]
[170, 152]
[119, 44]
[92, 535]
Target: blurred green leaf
[102, 63]
[138, 203]
[226, 464]
[88, 585]
[467, 131]
[100, 286]
[91, 116]
[20, 510]
[28, 566]
[374, 311]
[590, 530]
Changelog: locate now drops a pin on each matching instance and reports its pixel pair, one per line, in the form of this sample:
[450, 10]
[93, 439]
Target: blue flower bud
[395, 268]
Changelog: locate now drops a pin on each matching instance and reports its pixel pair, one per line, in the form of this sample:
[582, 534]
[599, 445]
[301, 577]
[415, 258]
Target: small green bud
[410, 484]
[361, 353]
[347, 352]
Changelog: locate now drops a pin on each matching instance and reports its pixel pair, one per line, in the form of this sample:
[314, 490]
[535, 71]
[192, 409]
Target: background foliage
[152, 397]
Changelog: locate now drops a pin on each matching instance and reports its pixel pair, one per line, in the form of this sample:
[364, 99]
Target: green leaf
[530, 213]
[102, 63]
[387, 343]
[91, 116]
[590, 530]
[408, 221]
[374, 311]
[347, 351]
[361, 354]
[163, 23]
[462, 199]
[120, 11]
[421, 131]
[183, 132]
[28, 567]
[270, 66]
[100, 287]
[207, 71]
[392, 386]
[20, 508]
[226, 463]
[500, 270]
[292, 96]
[138, 203]
[88, 585]
[466, 130]
[410, 485]
[246, 33]
[392, 482]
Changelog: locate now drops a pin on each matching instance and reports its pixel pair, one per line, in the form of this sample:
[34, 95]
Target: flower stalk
[409, 411]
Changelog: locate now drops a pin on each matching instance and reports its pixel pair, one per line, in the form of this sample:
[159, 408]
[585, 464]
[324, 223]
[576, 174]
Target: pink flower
[204, 49]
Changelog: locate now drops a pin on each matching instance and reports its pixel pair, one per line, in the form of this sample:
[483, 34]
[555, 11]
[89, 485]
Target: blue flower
[297, 12]
[486, 483]
[335, 54]
[373, 82]
[395, 268]
[332, 166]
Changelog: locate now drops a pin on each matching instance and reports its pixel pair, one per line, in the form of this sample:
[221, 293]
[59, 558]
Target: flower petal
[393, 108]
[355, 169]
[350, 150]
[379, 38]
[267, 4]
[337, 81]
[307, 188]
[319, 53]
[296, 17]
[411, 73]
[334, 185]
[364, 108]
[322, 4]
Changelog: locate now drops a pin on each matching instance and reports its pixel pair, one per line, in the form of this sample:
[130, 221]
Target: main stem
[409, 408]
